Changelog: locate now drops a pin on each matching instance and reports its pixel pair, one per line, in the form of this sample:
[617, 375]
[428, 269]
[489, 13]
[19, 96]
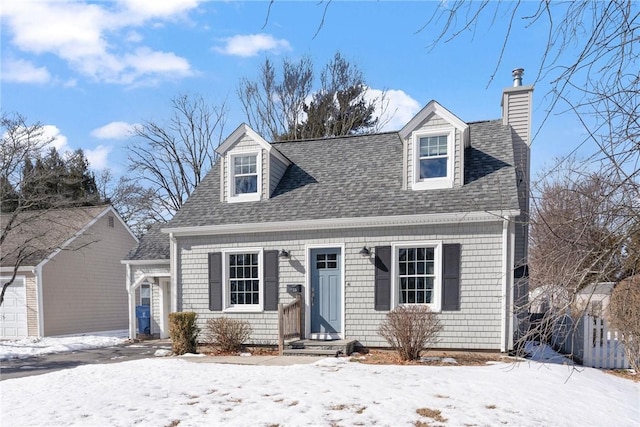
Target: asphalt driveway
[43, 364]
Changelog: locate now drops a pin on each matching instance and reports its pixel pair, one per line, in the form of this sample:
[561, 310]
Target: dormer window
[244, 176]
[433, 153]
[433, 156]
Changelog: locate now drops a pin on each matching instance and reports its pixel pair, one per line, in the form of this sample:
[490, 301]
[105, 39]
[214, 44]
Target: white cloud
[252, 44]
[91, 37]
[98, 157]
[395, 110]
[159, 9]
[21, 71]
[58, 140]
[114, 130]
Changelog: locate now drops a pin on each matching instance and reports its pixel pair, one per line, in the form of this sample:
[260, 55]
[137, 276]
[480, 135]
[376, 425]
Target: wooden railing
[289, 322]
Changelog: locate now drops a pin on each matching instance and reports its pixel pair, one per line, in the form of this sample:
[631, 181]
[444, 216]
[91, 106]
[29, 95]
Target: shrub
[410, 329]
[624, 315]
[228, 334]
[183, 332]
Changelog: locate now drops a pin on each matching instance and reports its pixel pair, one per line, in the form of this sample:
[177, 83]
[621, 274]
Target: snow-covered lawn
[26, 347]
[184, 392]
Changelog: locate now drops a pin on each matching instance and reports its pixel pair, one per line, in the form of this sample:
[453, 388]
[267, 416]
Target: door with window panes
[326, 291]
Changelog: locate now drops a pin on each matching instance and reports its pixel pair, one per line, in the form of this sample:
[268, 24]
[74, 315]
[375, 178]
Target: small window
[244, 177]
[145, 294]
[325, 261]
[433, 157]
[245, 174]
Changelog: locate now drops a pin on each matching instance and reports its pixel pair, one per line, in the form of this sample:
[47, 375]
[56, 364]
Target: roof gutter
[344, 223]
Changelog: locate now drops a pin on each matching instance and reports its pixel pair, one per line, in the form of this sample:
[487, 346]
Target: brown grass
[434, 414]
[463, 358]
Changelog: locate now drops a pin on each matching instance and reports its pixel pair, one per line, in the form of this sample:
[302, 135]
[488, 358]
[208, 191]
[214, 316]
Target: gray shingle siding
[476, 325]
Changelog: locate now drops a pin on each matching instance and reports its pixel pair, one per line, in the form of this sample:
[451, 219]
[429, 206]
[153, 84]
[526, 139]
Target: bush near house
[183, 332]
[624, 315]
[227, 334]
[410, 329]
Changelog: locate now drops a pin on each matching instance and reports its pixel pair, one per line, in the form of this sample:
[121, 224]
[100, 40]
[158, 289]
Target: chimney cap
[517, 74]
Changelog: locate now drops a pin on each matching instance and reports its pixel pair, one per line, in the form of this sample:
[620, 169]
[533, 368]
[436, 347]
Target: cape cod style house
[433, 214]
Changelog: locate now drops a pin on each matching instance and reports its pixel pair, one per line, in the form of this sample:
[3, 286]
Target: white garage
[13, 312]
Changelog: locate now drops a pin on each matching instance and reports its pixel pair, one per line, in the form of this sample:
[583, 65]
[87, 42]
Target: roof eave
[344, 223]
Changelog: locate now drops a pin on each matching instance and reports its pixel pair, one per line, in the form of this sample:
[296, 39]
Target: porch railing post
[280, 329]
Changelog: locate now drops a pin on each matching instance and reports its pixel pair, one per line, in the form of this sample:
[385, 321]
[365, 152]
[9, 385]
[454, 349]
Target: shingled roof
[34, 235]
[154, 245]
[361, 176]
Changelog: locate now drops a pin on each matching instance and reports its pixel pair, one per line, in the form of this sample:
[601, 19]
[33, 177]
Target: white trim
[436, 305]
[242, 308]
[344, 223]
[307, 297]
[232, 197]
[439, 110]
[21, 269]
[40, 301]
[243, 129]
[164, 285]
[418, 183]
[506, 273]
[173, 271]
[145, 261]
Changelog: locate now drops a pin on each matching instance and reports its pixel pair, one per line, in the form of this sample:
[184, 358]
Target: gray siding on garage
[477, 325]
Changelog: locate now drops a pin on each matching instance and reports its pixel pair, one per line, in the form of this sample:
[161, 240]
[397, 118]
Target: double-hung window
[418, 274]
[243, 281]
[433, 159]
[244, 177]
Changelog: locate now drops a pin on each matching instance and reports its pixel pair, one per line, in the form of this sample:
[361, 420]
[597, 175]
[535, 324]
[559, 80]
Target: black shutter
[215, 281]
[383, 278]
[270, 280]
[451, 277]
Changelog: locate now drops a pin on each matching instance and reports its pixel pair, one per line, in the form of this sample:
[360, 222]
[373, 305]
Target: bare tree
[25, 190]
[286, 107]
[168, 161]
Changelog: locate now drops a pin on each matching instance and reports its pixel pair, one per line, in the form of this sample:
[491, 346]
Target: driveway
[43, 364]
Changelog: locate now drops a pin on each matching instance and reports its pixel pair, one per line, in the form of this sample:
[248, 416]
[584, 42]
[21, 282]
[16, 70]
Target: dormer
[434, 142]
[250, 167]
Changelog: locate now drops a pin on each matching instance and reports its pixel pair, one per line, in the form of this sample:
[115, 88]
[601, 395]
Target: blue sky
[91, 70]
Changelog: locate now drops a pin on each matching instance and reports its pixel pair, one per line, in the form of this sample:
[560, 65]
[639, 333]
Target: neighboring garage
[13, 312]
[69, 276]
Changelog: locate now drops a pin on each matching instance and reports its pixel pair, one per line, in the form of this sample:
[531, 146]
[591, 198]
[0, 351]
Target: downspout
[39, 291]
[173, 270]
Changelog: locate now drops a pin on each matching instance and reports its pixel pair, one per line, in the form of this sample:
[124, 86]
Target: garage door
[13, 312]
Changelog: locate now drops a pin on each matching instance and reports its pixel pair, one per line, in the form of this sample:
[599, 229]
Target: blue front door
[326, 292]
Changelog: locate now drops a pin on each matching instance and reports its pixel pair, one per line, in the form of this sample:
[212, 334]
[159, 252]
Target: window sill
[246, 309]
[432, 184]
[244, 198]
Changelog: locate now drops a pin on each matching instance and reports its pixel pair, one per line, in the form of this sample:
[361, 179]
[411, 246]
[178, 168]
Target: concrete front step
[319, 347]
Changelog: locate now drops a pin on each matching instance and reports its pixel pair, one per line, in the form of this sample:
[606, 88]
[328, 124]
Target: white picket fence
[591, 342]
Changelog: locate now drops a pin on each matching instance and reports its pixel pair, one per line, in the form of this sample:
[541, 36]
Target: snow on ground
[30, 346]
[190, 392]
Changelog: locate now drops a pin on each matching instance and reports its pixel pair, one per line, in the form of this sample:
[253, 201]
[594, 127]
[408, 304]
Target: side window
[145, 294]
